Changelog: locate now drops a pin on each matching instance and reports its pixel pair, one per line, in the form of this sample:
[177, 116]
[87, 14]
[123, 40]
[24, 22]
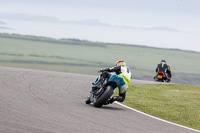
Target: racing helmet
[120, 63]
[163, 61]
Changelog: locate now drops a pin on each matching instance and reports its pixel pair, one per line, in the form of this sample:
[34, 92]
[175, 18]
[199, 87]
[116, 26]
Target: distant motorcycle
[99, 97]
[161, 77]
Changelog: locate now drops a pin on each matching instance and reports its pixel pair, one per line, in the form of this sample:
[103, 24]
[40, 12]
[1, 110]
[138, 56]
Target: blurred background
[83, 36]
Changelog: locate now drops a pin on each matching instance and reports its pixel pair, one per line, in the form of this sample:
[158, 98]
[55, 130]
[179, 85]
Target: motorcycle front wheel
[104, 97]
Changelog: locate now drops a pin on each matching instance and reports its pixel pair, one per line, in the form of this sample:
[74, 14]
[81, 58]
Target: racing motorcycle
[161, 77]
[100, 96]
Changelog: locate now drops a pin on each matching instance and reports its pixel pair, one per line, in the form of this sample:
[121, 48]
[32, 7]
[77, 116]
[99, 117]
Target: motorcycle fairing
[117, 79]
[97, 80]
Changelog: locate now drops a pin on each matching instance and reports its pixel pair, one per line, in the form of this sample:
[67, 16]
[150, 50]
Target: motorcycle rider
[121, 70]
[165, 69]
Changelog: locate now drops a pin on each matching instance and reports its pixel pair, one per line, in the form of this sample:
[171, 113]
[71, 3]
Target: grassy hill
[81, 56]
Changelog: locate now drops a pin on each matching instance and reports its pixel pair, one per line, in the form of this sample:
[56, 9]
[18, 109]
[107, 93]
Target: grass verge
[173, 102]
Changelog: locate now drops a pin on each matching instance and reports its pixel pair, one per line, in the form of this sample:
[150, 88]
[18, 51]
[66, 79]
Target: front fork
[92, 96]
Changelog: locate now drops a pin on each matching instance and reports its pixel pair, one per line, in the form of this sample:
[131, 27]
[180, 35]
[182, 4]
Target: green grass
[174, 102]
[16, 50]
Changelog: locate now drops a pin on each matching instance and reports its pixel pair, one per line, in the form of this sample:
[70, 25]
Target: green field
[80, 56]
[174, 102]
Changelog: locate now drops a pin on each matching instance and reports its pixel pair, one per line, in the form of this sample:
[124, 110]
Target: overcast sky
[157, 23]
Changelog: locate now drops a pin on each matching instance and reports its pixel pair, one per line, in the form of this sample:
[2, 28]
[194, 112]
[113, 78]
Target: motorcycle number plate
[159, 76]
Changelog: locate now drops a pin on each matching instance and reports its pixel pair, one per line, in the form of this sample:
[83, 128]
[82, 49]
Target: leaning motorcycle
[161, 77]
[100, 96]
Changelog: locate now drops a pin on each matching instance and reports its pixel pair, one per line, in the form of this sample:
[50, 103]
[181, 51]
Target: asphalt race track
[33, 101]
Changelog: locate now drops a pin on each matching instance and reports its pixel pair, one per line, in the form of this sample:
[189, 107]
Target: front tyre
[104, 97]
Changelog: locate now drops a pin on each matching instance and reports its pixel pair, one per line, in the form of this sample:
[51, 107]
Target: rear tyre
[167, 80]
[104, 97]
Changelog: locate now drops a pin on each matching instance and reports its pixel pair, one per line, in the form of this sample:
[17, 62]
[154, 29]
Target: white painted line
[156, 117]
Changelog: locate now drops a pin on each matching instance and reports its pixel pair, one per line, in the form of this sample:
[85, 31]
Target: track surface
[33, 101]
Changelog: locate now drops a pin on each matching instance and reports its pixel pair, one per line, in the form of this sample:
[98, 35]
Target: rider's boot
[168, 80]
[87, 101]
[119, 98]
[115, 98]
